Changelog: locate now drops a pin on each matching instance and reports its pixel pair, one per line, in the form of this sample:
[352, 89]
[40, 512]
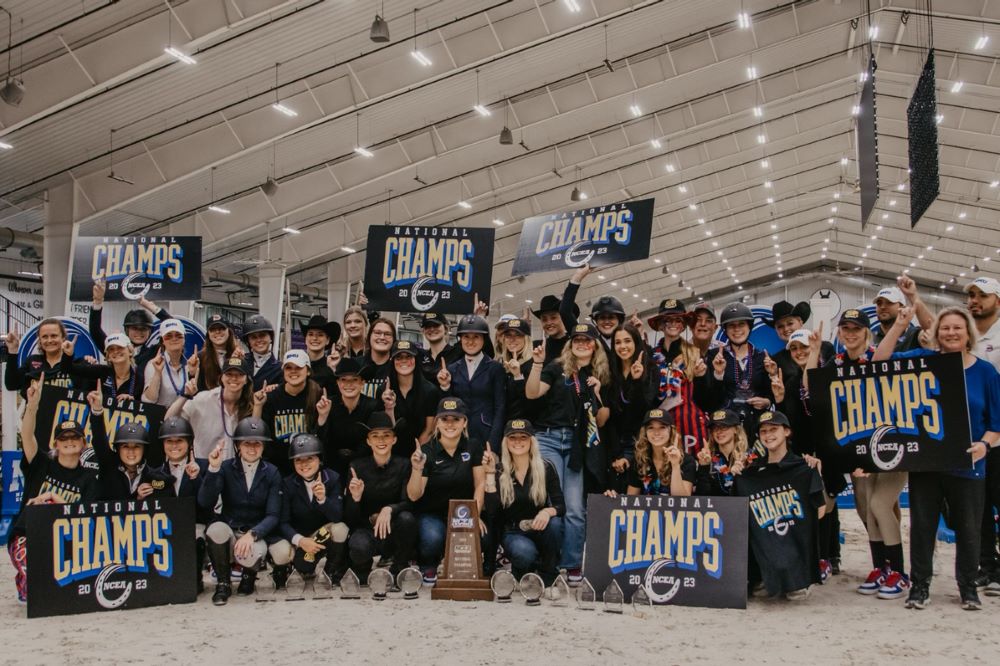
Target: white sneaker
[798, 595]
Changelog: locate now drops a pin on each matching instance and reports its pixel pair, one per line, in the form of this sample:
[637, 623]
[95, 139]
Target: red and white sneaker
[825, 570]
[896, 585]
[874, 581]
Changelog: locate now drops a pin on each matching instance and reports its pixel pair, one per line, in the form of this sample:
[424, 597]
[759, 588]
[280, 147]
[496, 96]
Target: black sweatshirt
[523, 507]
[385, 485]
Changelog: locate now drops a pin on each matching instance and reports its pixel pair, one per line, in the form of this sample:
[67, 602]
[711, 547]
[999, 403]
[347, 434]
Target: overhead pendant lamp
[270, 186]
[506, 136]
[12, 91]
[380, 29]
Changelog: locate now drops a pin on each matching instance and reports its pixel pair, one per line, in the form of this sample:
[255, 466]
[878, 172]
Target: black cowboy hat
[783, 309]
[551, 303]
[319, 322]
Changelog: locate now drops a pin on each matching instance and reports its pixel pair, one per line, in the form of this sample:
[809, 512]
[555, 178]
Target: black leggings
[928, 493]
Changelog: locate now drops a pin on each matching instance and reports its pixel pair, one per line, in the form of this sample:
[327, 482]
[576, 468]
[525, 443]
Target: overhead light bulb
[465, 204]
[281, 108]
[636, 111]
[183, 57]
[482, 110]
[572, 5]
[348, 249]
[364, 152]
[764, 164]
[497, 221]
[219, 209]
[751, 72]
[671, 168]
[743, 20]
[420, 57]
[655, 143]
[291, 230]
[12, 92]
[5, 146]
[957, 86]
[981, 43]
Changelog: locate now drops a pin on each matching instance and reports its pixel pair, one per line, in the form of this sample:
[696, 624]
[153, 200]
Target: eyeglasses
[380, 334]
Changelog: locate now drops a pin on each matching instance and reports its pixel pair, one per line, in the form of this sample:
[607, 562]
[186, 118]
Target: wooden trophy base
[462, 590]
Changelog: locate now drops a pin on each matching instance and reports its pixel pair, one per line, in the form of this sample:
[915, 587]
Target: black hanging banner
[59, 404]
[922, 143]
[898, 415]
[868, 145]
[101, 556]
[428, 269]
[599, 235]
[164, 268]
[684, 551]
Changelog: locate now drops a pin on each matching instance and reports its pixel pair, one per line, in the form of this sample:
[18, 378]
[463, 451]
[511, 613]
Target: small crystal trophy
[503, 584]
[350, 586]
[532, 588]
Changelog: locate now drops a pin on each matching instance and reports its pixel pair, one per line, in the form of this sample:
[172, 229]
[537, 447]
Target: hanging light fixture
[270, 186]
[111, 156]
[278, 106]
[380, 29]
[212, 207]
[576, 194]
[13, 88]
[607, 62]
[416, 53]
[506, 136]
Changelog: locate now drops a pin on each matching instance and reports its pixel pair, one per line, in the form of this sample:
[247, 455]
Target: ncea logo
[777, 509]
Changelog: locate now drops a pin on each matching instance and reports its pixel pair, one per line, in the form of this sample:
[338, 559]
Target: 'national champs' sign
[897, 415]
[685, 551]
[158, 267]
[428, 269]
[106, 555]
[599, 235]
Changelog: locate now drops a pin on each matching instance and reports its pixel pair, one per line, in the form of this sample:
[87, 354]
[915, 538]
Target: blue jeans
[529, 551]
[430, 545]
[555, 445]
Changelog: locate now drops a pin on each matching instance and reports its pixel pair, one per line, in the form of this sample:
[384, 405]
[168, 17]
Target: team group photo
[474, 331]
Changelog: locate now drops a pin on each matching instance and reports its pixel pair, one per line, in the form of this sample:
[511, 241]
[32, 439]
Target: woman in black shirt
[449, 466]
[221, 344]
[724, 455]
[48, 479]
[119, 378]
[380, 515]
[410, 399]
[528, 503]
[55, 359]
[634, 383]
[514, 347]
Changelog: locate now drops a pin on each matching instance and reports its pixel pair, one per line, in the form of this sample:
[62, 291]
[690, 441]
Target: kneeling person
[250, 490]
[311, 515]
[376, 507]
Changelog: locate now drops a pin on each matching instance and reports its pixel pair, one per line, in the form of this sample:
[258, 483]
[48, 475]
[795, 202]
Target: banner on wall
[110, 555]
[159, 267]
[59, 404]
[428, 269]
[897, 415]
[684, 551]
[598, 235]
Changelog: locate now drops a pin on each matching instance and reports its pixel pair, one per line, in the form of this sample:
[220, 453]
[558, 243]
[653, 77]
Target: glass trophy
[379, 580]
[641, 603]
[410, 581]
[296, 586]
[532, 588]
[559, 591]
[350, 586]
[586, 598]
[613, 597]
[503, 584]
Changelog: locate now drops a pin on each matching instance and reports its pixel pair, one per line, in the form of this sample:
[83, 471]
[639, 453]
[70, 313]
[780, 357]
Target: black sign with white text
[600, 235]
[685, 551]
[100, 556]
[158, 267]
[428, 269]
[898, 415]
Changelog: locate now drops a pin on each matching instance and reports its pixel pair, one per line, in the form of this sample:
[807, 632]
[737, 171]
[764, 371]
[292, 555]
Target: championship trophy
[586, 598]
[350, 586]
[558, 592]
[613, 598]
[641, 601]
[503, 584]
[532, 588]
[462, 579]
[379, 580]
[409, 581]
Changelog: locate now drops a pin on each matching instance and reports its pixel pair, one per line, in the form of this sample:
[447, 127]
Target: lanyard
[183, 373]
[743, 381]
[222, 413]
[131, 382]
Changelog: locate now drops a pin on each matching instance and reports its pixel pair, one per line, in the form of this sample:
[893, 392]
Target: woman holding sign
[962, 489]
[527, 503]
[568, 425]
[449, 466]
[53, 477]
[877, 495]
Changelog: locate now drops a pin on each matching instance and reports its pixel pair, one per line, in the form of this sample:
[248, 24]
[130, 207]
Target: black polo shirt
[345, 435]
[413, 409]
[385, 485]
[449, 476]
[523, 507]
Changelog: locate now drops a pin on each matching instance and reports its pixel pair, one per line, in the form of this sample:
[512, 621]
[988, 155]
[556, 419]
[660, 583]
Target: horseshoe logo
[673, 582]
[102, 577]
[576, 263]
[415, 296]
[128, 292]
[885, 465]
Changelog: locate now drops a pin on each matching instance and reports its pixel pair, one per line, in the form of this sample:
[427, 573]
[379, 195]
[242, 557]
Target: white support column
[57, 248]
[338, 290]
[271, 292]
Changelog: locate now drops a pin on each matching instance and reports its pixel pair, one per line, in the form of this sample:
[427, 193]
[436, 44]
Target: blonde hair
[869, 336]
[506, 355]
[740, 443]
[690, 354]
[465, 429]
[536, 468]
[644, 454]
[598, 361]
[358, 310]
[966, 317]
